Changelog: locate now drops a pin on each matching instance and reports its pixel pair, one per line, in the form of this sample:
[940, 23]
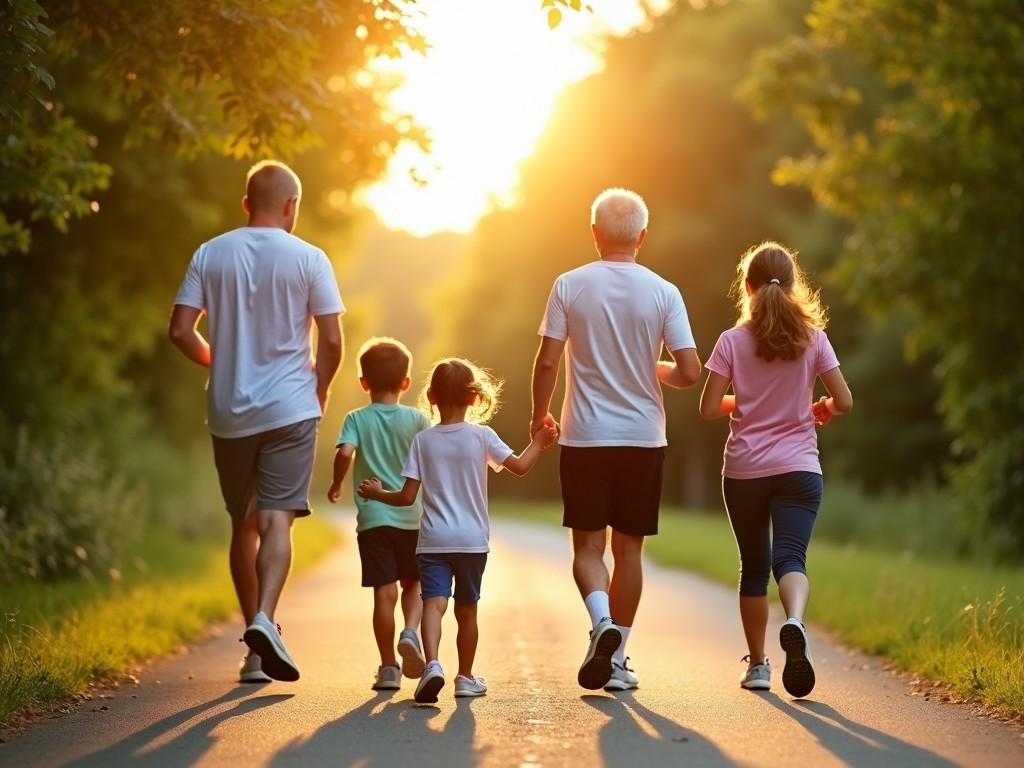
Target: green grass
[57, 637]
[957, 623]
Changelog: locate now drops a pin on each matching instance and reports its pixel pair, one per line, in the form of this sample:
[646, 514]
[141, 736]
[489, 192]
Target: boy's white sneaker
[757, 677]
[251, 670]
[411, 651]
[389, 678]
[431, 682]
[470, 686]
[596, 669]
[798, 674]
[623, 678]
[264, 638]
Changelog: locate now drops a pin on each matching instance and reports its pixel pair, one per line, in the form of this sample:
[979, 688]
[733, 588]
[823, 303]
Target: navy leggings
[772, 518]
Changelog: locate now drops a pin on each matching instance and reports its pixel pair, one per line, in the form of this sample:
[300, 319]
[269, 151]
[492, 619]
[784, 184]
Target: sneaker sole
[427, 694]
[386, 687]
[597, 670]
[469, 694]
[757, 685]
[413, 662]
[798, 674]
[612, 685]
[274, 665]
[254, 677]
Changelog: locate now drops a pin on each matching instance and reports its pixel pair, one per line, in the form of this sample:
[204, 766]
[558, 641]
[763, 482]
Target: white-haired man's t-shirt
[260, 288]
[614, 318]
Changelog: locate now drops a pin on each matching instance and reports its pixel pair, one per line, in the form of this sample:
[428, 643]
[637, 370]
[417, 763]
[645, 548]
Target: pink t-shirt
[771, 432]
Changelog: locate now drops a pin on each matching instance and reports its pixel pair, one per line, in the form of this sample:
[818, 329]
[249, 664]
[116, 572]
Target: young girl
[450, 461]
[772, 477]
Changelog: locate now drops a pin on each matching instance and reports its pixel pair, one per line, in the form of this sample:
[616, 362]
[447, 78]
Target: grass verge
[57, 637]
[956, 623]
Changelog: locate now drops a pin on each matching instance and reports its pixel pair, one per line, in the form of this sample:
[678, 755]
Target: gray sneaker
[623, 678]
[758, 677]
[251, 670]
[389, 678]
[411, 651]
[264, 638]
[596, 670]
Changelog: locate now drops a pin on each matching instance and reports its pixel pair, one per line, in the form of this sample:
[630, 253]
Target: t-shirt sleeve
[191, 293]
[721, 357]
[324, 297]
[826, 359]
[677, 332]
[497, 451]
[555, 324]
[349, 431]
[411, 470]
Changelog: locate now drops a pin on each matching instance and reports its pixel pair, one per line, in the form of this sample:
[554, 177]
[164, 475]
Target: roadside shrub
[63, 510]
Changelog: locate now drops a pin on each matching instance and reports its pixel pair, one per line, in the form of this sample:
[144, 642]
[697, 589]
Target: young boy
[378, 437]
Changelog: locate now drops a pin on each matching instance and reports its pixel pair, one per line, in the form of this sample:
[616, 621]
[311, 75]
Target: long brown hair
[780, 308]
[456, 382]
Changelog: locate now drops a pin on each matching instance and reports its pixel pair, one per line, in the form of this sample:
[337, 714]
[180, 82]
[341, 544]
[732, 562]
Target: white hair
[619, 215]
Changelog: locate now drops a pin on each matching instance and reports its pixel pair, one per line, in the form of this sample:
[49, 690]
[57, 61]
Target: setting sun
[483, 93]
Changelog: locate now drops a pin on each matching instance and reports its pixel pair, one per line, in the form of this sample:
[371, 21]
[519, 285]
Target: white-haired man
[262, 289]
[612, 317]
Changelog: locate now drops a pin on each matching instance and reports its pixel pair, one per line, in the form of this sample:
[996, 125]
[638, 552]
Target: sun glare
[484, 93]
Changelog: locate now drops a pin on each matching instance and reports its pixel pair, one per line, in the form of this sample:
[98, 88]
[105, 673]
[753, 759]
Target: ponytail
[776, 302]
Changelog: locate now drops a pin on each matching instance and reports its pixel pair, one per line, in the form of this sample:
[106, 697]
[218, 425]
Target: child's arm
[714, 403]
[543, 439]
[372, 489]
[342, 462]
[839, 401]
[684, 370]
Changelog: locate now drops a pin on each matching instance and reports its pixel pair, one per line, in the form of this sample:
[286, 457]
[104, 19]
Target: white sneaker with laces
[251, 670]
[411, 651]
[264, 638]
[470, 686]
[798, 674]
[430, 684]
[623, 678]
[757, 677]
[389, 678]
[596, 669]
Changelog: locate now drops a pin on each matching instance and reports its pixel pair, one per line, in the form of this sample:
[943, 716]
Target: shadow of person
[187, 747]
[854, 743]
[382, 732]
[634, 734]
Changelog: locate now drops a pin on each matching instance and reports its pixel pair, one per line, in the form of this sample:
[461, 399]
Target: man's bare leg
[626, 585]
[274, 560]
[245, 543]
[592, 579]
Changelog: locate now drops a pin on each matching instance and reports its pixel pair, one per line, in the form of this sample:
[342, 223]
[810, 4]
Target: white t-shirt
[615, 317]
[260, 288]
[450, 461]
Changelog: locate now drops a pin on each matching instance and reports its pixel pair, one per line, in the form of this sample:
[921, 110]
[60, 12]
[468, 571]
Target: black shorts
[388, 555]
[616, 485]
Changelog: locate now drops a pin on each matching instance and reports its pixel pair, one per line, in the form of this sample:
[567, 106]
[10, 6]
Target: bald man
[262, 289]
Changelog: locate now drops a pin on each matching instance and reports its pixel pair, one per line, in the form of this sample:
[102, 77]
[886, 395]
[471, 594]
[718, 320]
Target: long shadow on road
[382, 732]
[624, 741]
[854, 743]
[188, 746]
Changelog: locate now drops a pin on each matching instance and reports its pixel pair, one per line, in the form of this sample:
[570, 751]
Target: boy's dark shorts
[268, 470]
[617, 486]
[388, 555]
[439, 569]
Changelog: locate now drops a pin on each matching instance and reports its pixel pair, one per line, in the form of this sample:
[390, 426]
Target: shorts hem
[267, 428]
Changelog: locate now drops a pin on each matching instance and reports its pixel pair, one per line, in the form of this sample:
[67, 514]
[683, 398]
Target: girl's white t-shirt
[450, 461]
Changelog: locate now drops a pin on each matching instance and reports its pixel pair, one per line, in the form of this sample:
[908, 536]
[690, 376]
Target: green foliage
[916, 111]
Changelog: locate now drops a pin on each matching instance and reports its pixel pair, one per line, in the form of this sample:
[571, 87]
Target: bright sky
[484, 92]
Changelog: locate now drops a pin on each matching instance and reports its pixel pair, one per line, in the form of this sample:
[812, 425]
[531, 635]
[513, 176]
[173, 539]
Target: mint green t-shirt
[382, 434]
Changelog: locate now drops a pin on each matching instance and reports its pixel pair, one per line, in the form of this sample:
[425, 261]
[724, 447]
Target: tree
[916, 110]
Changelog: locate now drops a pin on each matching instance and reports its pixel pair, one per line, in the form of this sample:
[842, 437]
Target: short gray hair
[620, 215]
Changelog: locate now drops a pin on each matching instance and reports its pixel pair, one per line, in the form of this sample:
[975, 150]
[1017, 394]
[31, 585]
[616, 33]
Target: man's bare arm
[185, 336]
[684, 370]
[330, 348]
[545, 376]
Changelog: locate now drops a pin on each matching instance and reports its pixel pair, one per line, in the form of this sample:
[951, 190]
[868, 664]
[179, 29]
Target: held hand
[544, 422]
[546, 437]
[334, 492]
[370, 489]
[822, 415]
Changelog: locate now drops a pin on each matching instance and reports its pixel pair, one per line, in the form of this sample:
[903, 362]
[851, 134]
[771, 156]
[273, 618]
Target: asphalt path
[689, 710]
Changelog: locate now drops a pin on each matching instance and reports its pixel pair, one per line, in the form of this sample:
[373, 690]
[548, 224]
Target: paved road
[689, 710]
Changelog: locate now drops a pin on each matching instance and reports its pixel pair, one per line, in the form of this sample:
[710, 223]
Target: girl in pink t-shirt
[771, 478]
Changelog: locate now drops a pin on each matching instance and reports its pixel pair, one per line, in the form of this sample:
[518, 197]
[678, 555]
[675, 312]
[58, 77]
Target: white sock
[597, 606]
[619, 657]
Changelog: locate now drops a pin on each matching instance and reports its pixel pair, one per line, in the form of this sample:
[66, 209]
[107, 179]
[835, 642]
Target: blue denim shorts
[439, 569]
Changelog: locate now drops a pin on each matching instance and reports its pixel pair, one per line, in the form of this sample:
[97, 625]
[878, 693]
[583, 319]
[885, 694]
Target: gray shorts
[268, 470]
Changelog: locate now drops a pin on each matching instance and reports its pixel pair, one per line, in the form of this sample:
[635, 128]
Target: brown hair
[384, 363]
[781, 309]
[456, 382]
